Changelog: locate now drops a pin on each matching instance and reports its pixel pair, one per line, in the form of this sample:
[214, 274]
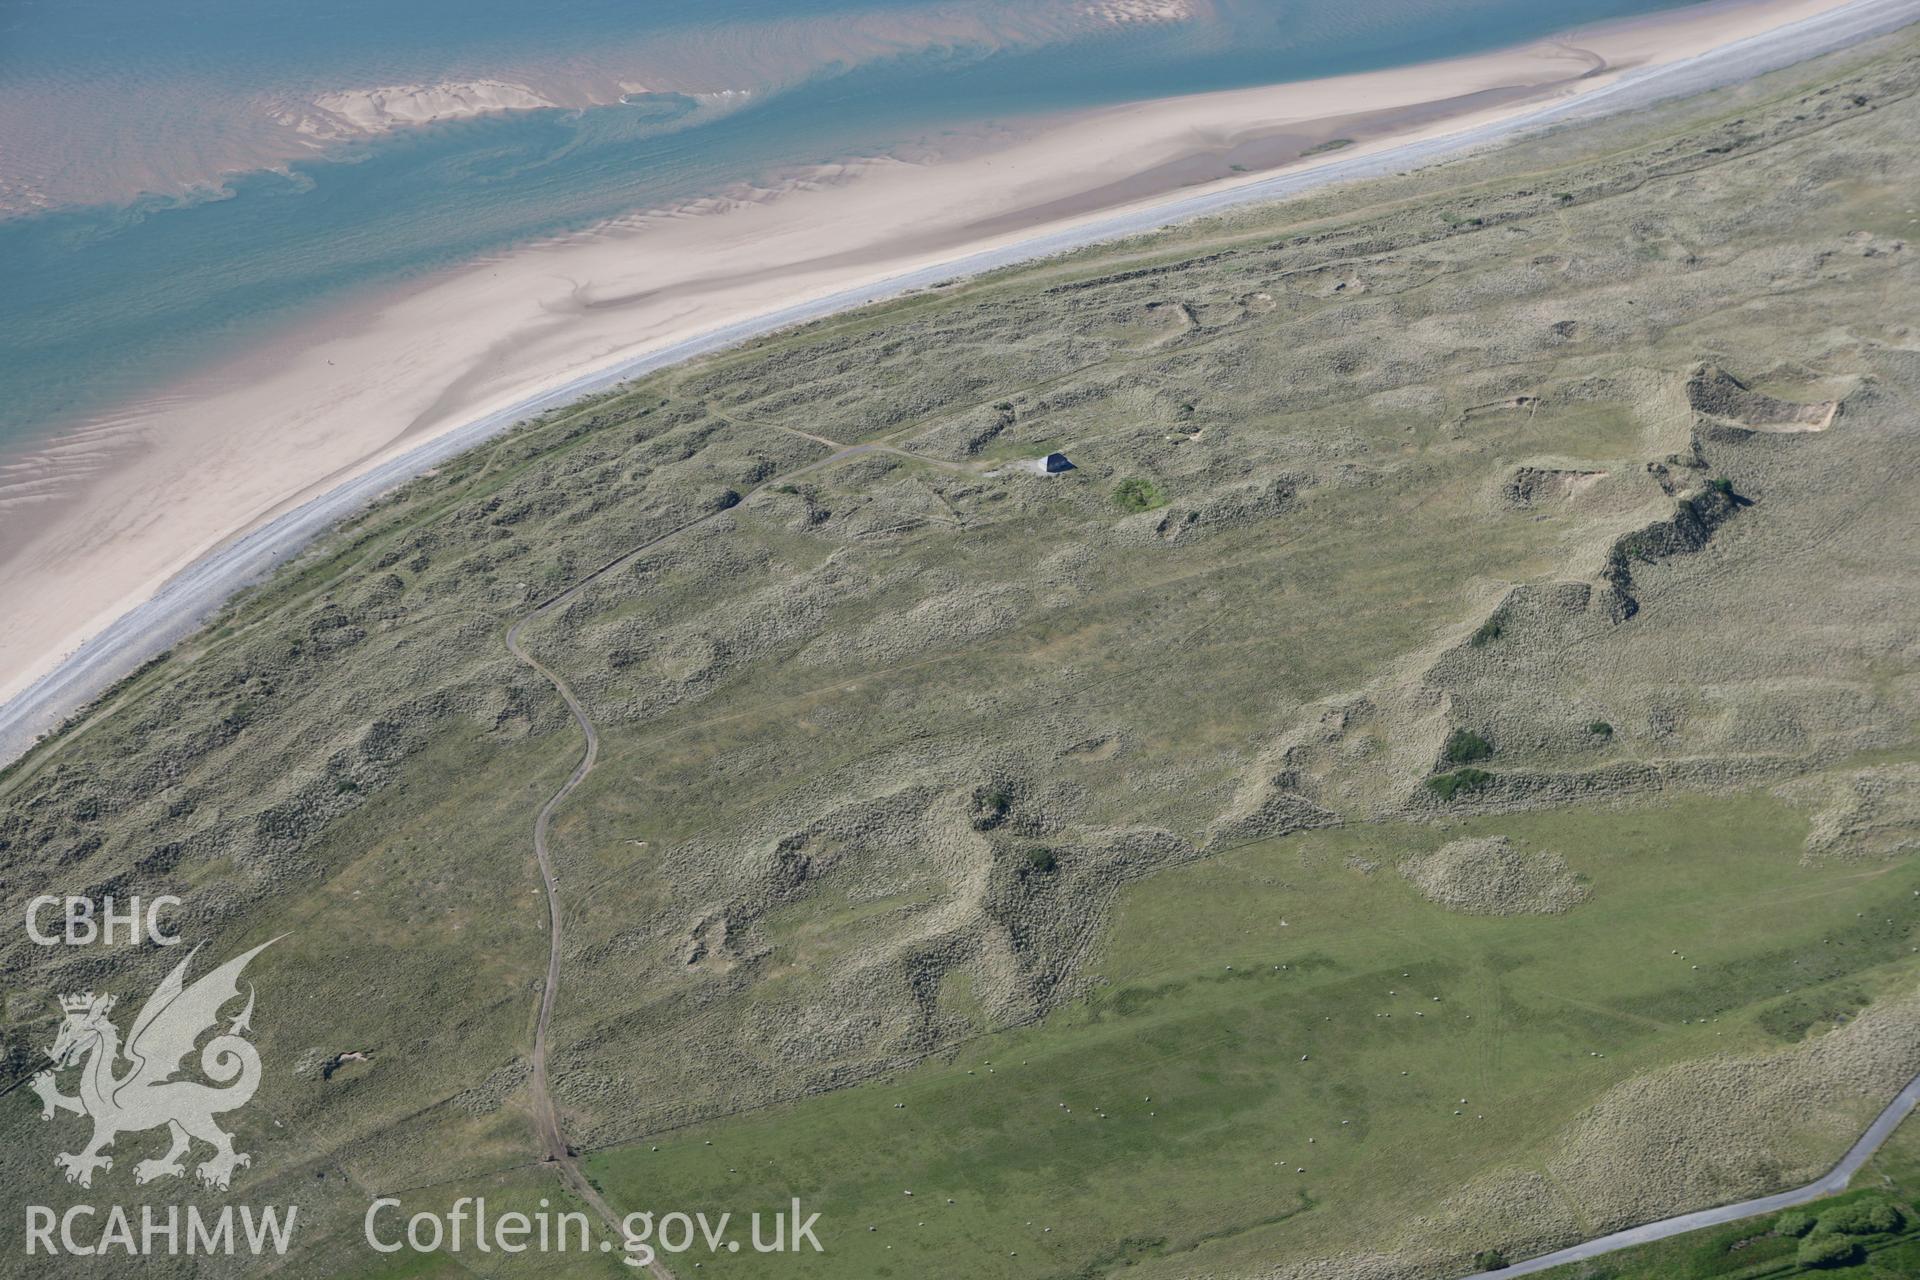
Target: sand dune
[355, 390]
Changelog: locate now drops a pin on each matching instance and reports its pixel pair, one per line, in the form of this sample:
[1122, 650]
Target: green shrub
[1464, 746]
[990, 805]
[1824, 1250]
[1794, 1223]
[1136, 493]
[1871, 1217]
[1459, 782]
[1491, 1260]
[1724, 486]
[1041, 860]
[1489, 631]
[1600, 729]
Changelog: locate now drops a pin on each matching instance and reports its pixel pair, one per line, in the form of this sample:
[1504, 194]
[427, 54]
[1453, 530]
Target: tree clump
[1870, 1217]
[1823, 1250]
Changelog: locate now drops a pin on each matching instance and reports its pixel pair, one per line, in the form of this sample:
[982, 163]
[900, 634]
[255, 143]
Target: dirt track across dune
[553, 1140]
[187, 600]
[546, 1114]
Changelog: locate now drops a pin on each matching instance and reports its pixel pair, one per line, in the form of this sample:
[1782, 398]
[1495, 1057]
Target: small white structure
[1053, 464]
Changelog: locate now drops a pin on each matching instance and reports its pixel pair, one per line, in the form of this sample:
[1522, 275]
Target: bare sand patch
[1718, 394]
[1530, 487]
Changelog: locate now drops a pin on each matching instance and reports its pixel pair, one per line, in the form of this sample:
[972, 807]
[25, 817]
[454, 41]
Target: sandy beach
[94, 523]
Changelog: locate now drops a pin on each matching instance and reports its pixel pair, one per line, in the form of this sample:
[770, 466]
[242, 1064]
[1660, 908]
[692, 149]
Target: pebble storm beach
[769, 196]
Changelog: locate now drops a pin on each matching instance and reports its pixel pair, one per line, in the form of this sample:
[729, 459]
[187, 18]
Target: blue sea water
[100, 303]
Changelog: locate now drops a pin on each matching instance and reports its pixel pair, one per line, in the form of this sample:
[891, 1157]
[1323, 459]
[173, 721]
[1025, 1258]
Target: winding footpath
[197, 592]
[546, 1113]
[185, 601]
[1832, 1184]
[553, 1140]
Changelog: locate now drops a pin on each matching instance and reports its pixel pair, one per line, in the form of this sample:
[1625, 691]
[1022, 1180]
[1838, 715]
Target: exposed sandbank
[71, 138]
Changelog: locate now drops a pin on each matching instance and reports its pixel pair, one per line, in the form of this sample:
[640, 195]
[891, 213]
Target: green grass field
[1274, 1010]
[1423, 468]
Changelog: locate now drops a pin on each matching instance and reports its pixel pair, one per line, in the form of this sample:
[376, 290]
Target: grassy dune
[1223, 1052]
[1760, 1250]
[1545, 517]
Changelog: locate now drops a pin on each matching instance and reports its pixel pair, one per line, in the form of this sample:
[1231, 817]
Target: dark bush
[1824, 1250]
[990, 805]
[1464, 746]
[1459, 782]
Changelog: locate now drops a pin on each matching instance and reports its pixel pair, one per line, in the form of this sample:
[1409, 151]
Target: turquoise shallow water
[101, 303]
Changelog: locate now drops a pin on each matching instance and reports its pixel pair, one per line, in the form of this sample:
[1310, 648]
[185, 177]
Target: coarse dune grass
[1237, 1032]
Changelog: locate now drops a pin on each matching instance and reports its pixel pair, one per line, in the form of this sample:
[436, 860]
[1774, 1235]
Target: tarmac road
[1832, 1184]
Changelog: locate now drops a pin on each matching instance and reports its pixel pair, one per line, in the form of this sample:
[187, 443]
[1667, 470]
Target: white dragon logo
[147, 1096]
